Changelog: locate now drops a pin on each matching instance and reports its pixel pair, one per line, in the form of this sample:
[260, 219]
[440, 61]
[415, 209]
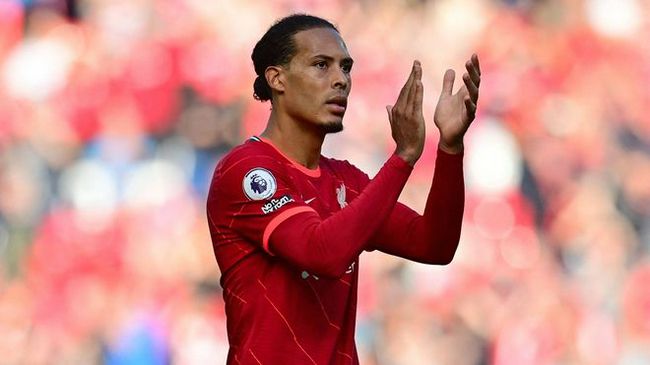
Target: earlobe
[275, 78]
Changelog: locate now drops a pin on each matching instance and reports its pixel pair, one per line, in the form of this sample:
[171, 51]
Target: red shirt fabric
[287, 241]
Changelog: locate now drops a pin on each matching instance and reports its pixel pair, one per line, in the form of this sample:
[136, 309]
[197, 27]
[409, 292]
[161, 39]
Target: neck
[301, 144]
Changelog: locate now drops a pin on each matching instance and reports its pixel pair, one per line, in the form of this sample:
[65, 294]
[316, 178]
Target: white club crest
[340, 196]
[259, 184]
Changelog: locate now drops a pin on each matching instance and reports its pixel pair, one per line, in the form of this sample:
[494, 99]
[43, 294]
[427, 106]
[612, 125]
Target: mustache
[338, 100]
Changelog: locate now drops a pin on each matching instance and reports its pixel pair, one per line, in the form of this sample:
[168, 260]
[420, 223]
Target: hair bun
[261, 89]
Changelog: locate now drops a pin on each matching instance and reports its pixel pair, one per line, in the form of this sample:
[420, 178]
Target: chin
[333, 127]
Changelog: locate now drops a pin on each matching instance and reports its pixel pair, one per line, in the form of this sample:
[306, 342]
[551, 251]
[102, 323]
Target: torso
[278, 313]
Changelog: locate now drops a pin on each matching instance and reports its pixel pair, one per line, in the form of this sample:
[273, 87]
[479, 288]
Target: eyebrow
[331, 59]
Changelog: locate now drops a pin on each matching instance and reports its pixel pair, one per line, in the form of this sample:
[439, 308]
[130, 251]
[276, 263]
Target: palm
[451, 116]
[455, 112]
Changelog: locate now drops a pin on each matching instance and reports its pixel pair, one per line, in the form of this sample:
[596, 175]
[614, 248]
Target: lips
[338, 104]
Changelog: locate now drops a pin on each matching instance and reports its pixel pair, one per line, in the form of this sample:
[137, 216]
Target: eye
[321, 65]
[347, 68]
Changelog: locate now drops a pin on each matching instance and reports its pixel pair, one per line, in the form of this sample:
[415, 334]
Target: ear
[275, 78]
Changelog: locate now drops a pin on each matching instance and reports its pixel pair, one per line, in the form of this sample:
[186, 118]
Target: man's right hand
[406, 118]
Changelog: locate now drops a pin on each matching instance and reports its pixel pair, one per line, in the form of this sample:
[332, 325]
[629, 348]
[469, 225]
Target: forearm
[328, 247]
[431, 238]
[437, 232]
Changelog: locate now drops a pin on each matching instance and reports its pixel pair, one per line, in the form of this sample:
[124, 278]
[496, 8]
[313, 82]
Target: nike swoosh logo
[308, 201]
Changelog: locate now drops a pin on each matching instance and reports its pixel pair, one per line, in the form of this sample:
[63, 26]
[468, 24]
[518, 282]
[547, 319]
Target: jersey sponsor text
[276, 204]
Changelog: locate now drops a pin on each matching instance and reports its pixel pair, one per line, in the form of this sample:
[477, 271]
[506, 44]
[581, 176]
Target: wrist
[452, 149]
[409, 157]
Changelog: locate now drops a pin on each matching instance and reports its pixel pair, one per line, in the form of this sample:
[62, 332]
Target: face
[317, 82]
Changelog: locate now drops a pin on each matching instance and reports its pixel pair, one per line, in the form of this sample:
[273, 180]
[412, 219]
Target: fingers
[406, 89]
[476, 64]
[471, 88]
[413, 96]
[448, 82]
[473, 77]
[474, 70]
[406, 120]
[471, 109]
[419, 96]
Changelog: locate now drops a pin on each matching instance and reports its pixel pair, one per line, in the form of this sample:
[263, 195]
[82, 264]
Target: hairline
[294, 43]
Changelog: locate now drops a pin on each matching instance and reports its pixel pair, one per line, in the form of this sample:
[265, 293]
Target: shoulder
[247, 150]
[247, 155]
[346, 170]
[343, 166]
[251, 164]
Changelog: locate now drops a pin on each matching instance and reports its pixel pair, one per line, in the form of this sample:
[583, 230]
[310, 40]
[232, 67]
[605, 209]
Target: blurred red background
[113, 114]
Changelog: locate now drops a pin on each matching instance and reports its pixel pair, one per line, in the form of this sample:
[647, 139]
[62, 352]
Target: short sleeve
[251, 196]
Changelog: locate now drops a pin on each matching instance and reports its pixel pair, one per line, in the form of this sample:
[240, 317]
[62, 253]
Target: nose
[341, 80]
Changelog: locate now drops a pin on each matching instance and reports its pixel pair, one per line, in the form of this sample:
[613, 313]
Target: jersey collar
[309, 172]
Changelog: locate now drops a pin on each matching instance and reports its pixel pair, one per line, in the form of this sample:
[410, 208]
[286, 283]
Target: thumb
[448, 82]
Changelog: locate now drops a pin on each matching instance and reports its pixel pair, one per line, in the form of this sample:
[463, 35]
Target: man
[288, 225]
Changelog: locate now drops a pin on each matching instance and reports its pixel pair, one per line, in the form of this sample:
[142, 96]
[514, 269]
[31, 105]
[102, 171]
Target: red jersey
[287, 241]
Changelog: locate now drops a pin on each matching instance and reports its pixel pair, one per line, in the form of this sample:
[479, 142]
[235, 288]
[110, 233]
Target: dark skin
[310, 96]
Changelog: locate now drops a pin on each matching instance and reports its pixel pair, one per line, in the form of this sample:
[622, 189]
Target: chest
[326, 194]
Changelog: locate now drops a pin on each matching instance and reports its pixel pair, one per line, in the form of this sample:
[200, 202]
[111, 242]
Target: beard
[324, 124]
[332, 127]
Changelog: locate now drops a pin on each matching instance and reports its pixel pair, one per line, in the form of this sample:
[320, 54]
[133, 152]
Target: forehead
[320, 41]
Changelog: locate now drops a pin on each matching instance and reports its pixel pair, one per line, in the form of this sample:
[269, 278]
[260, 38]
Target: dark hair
[277, 47]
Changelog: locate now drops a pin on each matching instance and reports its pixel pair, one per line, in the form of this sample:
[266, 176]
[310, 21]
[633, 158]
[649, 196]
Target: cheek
[303, 102]
[310, 94]
[306, 93]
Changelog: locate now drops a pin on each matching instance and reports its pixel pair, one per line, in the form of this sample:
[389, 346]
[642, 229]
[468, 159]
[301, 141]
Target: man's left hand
[455, 112]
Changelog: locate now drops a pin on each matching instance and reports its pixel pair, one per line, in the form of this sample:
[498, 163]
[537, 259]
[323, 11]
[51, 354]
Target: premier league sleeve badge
[259, 184]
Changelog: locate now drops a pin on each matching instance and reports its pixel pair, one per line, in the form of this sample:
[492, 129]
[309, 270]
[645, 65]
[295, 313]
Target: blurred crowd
[113, 114]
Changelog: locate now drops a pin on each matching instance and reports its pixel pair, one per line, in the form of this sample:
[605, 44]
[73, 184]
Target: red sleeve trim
[275, 222]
